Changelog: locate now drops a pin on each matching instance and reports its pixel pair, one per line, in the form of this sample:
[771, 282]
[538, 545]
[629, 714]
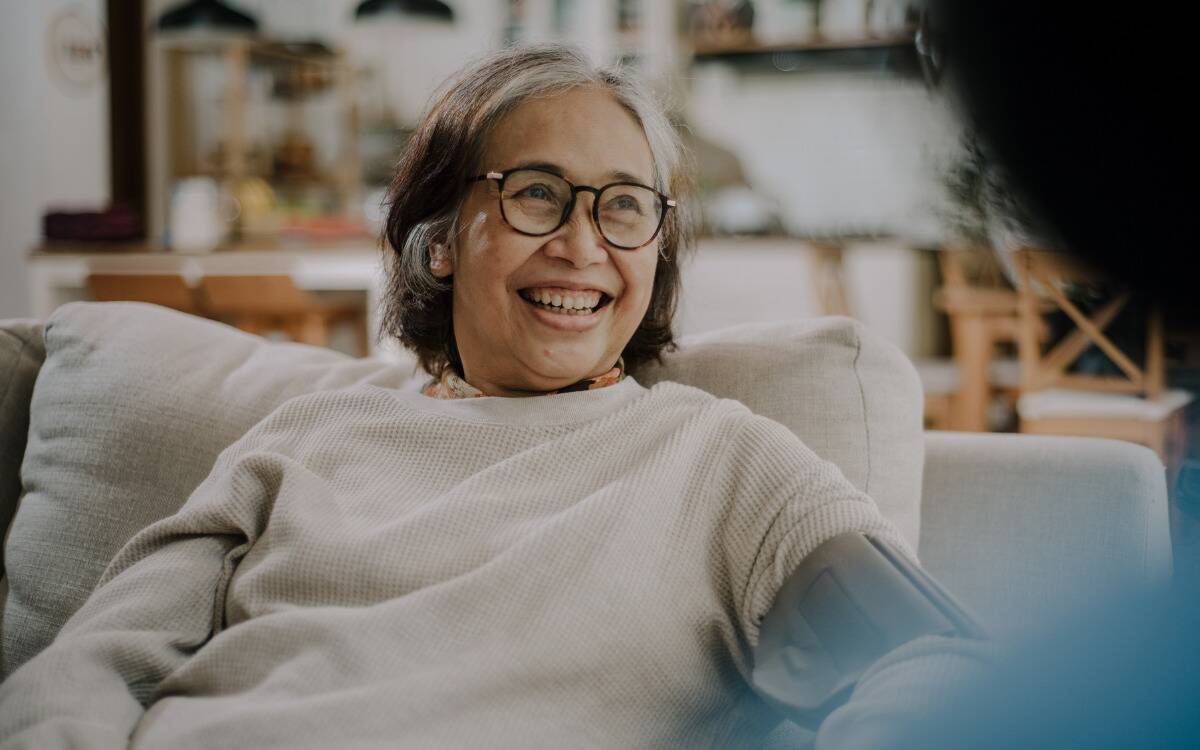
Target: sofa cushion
[848, 394]
[1025, 528]
[134, 402]
[129, 412]
[21, 355]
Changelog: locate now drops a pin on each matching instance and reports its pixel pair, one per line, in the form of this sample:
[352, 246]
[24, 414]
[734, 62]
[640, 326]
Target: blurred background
[230, 159]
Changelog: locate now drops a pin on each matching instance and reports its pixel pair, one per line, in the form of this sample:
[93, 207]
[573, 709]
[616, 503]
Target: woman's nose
[579, 240]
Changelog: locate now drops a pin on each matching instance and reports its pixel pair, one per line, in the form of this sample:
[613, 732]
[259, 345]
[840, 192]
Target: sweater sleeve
[160, 599]
[792, 501]
[787, 501]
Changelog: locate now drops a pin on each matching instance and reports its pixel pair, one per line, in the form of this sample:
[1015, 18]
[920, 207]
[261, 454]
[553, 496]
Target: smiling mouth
[583, 303]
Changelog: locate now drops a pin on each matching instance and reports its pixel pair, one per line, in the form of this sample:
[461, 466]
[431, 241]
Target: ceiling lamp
[434, 10]
[208, 15]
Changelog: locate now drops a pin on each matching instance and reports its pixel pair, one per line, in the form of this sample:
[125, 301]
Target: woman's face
[509, 344]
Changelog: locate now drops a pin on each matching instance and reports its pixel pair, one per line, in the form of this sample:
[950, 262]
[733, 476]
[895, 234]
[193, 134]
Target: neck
[478, 385]
[498, 389]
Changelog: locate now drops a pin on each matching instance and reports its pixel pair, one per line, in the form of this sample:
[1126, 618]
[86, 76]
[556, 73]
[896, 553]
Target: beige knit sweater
[375, 568]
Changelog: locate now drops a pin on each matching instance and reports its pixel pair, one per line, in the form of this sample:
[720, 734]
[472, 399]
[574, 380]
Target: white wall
[841, 153]
[53, 139]
[844, 153]
[732, 281]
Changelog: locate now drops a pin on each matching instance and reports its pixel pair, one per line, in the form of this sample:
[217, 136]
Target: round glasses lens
[629, 214]
[534, 201]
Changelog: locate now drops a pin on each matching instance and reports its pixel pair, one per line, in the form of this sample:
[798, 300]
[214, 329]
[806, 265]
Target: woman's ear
[441, 264]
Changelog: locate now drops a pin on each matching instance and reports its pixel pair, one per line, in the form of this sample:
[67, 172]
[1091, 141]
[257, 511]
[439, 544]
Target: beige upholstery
[1018, 527]
[1026, 527]
[134, 402]
[21, 355]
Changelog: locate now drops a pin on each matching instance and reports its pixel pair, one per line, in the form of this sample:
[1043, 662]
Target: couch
[111, 413]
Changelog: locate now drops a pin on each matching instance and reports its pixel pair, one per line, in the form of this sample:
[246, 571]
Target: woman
[534, 550]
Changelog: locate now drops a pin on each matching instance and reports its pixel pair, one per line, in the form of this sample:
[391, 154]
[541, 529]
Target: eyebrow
[615, 175]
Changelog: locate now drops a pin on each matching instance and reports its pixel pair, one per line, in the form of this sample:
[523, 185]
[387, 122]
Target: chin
[563, 373]
[552, 381]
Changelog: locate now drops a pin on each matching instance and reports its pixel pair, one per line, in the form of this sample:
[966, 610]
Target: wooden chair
[982, 310]
[262, 304]
[166, 290]
[958, 391]
[1134, 406]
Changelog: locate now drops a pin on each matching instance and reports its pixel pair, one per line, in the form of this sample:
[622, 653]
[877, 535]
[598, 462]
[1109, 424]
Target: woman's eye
[624, 203]
[537, 192]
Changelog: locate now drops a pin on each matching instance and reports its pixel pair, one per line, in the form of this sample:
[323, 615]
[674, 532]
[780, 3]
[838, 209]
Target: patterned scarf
[451, 385]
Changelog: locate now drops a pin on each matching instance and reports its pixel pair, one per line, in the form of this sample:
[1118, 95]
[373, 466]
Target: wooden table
[58, 275]
[729, 280]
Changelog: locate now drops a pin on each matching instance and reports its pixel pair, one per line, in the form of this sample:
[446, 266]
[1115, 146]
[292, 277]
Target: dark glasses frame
[664, 201]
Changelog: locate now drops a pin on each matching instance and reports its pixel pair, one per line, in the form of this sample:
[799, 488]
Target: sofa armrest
[1022, 527]
[22, 351]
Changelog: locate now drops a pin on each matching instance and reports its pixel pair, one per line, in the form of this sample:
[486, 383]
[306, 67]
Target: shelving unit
[244, 157]
[651, 36]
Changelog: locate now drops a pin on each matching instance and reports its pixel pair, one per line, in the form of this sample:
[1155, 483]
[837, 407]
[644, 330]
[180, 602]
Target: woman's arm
[863, 636]
[848, 650]
[159, 601]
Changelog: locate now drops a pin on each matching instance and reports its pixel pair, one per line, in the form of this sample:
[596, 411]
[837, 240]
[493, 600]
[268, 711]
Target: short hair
[430, 185]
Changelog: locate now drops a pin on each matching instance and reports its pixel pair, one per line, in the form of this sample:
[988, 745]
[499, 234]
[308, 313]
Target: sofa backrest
[134, 402]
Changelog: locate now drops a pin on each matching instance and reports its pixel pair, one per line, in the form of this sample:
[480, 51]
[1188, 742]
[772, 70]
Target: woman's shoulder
[733, 417]
[326, 408]
[748, 431]
[669, 391]
[361, 395]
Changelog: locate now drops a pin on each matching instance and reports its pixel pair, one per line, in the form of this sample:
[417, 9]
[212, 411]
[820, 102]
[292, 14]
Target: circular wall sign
[75, 43]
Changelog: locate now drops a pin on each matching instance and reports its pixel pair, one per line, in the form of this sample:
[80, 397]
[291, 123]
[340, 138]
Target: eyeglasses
[536, 202]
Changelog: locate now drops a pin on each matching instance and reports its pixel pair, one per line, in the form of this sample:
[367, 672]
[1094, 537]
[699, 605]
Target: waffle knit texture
[376, 568]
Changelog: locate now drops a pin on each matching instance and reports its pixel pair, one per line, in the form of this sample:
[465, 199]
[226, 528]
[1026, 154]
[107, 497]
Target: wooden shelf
[896, 55]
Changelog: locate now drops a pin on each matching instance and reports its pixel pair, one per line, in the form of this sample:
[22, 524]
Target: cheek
[474, 239]
[639, 279]
[483, 257]
[647, 266]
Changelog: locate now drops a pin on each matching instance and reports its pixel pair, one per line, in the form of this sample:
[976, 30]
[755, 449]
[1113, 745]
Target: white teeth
[584, 301]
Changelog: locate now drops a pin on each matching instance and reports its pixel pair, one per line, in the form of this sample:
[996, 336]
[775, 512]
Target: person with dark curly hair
[1082, 109]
